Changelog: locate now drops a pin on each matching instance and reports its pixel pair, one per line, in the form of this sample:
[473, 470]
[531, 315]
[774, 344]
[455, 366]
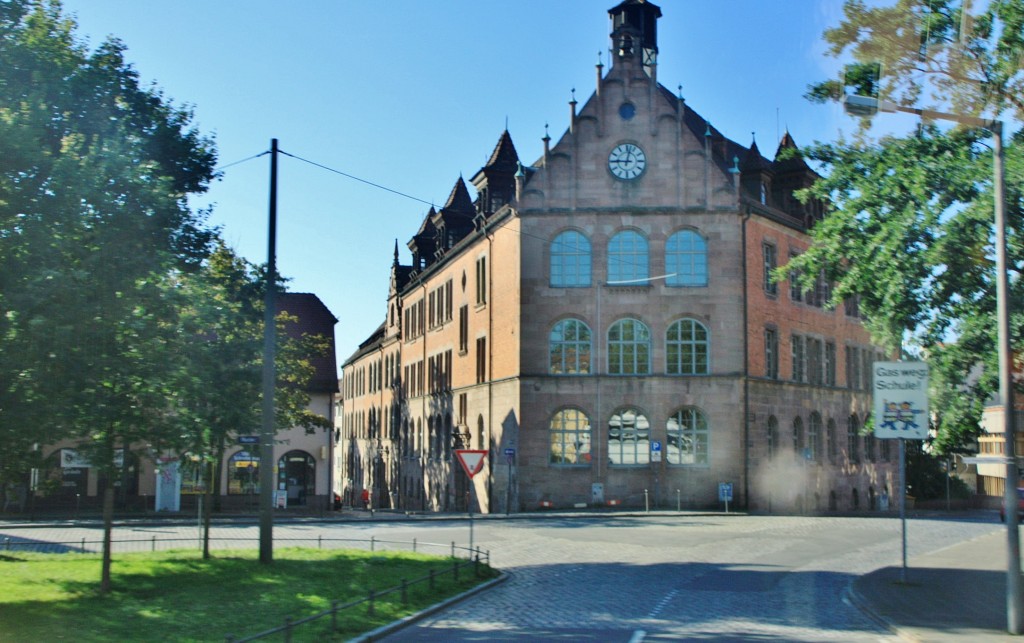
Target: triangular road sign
[472, 460]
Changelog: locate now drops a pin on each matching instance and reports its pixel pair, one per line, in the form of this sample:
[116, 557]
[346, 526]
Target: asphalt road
[629, 578]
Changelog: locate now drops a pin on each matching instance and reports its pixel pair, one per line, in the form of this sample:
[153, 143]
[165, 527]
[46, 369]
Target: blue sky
[411, 94]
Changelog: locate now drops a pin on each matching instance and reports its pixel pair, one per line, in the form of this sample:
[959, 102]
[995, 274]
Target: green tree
[909, 232]
[94, 224]
[221, 390]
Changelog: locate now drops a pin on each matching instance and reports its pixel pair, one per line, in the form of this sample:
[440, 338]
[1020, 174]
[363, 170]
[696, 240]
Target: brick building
[602, 322]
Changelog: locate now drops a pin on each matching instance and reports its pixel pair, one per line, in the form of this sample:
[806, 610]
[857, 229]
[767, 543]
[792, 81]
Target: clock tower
[635, 32]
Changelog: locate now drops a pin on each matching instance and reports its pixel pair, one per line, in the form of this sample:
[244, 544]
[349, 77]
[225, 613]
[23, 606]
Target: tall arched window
[686, 259]
[629, 348]
[569, 347]
[688, 437]
[629, 437]
[833, 447]
[798, 437]
[686, 348]
[853, 440]
[627, 257]
[570, 437]
[773, 437]
[570, 260]
[814, 436]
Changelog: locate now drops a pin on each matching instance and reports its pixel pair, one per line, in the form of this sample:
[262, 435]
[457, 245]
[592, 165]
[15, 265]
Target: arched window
[833, 446]
[773, 437]
[686, 259]
[688, 437]
[814, 436]
[853, 440]
[629, 348]
[570, 260]
[570, 437]
[686, 348]
[798, 437]
[569, 347]
[629, 437]
[627, 257]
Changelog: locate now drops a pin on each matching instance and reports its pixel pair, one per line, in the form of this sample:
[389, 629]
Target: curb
[854, 598]
[391, 628]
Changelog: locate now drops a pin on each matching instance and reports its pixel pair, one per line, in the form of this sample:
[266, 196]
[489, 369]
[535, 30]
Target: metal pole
[903, 507]
[1014, 620]
[269, 376]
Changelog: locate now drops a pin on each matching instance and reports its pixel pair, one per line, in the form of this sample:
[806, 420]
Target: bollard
[83, 545]
[334, 616]
[647, 503]
[679, 500]
[414, 545]
[373, 543]
[453, 549]
[370, 598]
[7, 544]
[152, 545]
[320, 542]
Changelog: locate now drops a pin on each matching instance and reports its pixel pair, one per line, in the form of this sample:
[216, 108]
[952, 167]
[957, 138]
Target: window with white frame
[629, 437]
[688, 437]
[627, 257]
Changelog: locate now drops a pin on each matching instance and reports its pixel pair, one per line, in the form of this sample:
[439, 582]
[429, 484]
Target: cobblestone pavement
[622, 578]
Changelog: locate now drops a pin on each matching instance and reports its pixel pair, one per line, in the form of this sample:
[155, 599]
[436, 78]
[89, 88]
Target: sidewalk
[955, 594]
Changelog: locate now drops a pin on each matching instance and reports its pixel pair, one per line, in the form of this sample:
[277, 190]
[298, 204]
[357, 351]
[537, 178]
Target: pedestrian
[366, 498]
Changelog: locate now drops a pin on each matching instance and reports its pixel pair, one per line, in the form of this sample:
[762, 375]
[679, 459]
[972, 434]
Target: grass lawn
[178, 596]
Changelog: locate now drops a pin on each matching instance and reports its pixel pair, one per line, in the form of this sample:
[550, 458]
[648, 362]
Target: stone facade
[606, 330]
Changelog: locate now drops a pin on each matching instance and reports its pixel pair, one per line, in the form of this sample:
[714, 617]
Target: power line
[254, 156]
[355, 178]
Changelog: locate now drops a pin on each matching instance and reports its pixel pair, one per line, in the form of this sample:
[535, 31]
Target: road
[633, 578]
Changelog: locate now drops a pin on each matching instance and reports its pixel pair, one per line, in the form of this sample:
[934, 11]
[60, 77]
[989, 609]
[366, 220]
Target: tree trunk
[108, 523]
[207, 507]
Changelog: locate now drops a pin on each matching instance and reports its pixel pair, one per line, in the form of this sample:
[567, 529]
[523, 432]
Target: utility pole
[269, 376]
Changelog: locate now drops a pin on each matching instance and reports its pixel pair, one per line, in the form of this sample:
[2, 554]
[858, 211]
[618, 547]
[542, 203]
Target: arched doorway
[296, 471]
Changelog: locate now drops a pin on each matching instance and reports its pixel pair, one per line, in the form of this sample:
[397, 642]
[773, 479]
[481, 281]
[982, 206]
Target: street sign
[725, 491]
[248, 439]
[655, 451]
[900, 399]
[472, 460]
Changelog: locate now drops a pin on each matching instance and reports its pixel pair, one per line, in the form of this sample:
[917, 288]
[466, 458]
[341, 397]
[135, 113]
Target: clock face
[627, 161]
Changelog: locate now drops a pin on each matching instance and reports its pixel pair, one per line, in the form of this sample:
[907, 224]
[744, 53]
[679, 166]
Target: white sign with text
[900, 392]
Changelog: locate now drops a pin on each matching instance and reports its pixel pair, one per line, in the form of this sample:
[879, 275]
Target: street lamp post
[867, 106]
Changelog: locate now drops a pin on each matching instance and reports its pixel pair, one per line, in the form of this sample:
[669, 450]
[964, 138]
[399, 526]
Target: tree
[94, 226]
[909, 231]
[222, 341]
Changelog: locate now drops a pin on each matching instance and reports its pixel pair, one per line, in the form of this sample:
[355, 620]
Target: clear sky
[411, 94]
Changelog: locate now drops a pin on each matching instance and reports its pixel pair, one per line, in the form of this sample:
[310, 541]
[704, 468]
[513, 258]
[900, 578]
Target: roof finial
[599, 64]
[573, 101]
[707, 130]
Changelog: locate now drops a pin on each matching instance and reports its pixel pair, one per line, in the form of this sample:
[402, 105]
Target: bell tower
[635, 32]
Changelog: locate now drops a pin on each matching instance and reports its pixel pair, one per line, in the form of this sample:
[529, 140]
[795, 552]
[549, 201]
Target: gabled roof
[459, 206]
[504, 157]
[795, 161]
[754, 162]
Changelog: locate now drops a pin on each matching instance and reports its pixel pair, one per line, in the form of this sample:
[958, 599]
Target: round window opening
[627, 111]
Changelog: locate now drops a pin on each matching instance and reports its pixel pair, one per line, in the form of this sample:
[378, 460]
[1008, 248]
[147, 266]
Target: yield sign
[472, 460]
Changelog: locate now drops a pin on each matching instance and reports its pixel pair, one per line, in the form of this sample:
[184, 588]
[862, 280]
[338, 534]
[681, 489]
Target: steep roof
[312, 318]
[793, 161]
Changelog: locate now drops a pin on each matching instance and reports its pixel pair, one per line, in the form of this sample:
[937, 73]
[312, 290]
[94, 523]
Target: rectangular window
[771, 353]
[830, 364]
[770, 261]
[814, 361]
[481, 281]
[481, 360]
[463, 329]
[795, 293]
[799, 358]
[463, 410]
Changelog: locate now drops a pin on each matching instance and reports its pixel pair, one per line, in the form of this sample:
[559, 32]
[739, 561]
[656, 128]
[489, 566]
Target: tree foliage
[909, 233]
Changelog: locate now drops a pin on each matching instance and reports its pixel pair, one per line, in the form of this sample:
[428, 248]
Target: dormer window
[764, 194]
